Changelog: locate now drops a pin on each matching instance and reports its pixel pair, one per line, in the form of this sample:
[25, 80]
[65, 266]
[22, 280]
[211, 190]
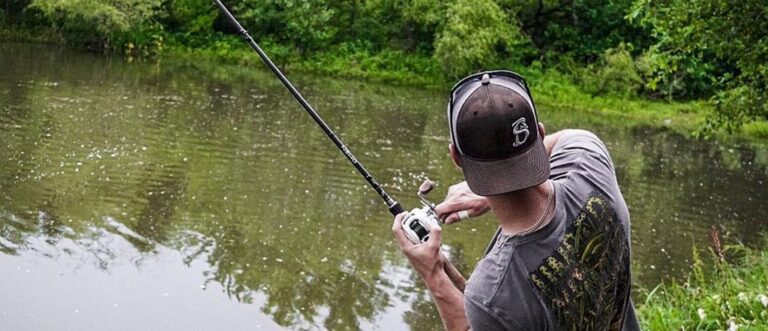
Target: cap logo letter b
[520, 128]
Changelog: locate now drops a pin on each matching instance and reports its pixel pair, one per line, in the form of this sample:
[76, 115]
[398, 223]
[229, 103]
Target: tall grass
[730, 294]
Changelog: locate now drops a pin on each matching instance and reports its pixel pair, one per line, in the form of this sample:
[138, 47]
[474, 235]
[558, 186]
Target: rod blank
[393, 206]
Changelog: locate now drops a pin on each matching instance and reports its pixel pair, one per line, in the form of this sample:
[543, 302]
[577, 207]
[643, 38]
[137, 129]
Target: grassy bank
[551, 88]
[718, 296]
[629, 57]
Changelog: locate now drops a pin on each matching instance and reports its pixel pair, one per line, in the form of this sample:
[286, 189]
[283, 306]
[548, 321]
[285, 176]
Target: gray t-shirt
[573, 273]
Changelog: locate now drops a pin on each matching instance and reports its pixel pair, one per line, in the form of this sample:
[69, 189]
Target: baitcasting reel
[420, 221]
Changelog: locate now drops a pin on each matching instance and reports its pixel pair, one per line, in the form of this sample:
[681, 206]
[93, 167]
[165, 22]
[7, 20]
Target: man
[560, 258]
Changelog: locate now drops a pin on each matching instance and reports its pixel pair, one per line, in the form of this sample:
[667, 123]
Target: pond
[183, 196]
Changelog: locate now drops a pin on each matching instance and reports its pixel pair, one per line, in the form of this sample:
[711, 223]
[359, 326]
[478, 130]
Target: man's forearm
[449, 302]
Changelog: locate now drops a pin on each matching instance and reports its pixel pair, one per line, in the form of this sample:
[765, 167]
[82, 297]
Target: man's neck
[521, 210]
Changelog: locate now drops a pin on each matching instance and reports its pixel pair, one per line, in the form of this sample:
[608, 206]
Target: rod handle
[453, 274]
[396, 209]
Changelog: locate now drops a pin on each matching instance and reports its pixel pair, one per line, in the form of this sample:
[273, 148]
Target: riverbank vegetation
[663, 51]
[723, 295]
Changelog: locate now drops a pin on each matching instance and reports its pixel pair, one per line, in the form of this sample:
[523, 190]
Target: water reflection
[215, 176]
[677, 188]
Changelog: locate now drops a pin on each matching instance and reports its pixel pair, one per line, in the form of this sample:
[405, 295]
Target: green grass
[557, 90]
[341, 61]
[756, 129]
[719, 296]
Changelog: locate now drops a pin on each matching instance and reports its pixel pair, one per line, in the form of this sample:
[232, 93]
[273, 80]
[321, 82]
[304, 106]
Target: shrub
[306, 25]
[97, 24]
[615, 73]
[479, 35]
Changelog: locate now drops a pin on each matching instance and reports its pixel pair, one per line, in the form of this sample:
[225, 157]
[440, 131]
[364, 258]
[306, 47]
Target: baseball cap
[494, 128]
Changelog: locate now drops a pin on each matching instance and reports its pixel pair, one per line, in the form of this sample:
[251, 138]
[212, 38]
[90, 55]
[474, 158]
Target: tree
[579, 30]
[710, 47]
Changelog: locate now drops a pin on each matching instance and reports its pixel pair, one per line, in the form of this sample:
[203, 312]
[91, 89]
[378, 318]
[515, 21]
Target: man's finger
[447, 207]
[397, 231]
[398, 220]
[435, 236]
[452, 218]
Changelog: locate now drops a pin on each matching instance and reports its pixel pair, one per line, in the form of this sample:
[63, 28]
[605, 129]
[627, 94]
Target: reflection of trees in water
[717, 182]
[677, 187]
[18, 225]
[337, 290]
[423, 314]
[161, 186]
[156, 217]
[13, 234]
[99, 246]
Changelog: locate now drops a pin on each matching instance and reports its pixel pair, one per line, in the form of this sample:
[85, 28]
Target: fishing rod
[419, 222]
[394, 206]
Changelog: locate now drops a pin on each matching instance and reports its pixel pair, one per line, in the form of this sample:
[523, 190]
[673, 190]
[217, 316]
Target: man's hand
[426, 257]
[459, 198]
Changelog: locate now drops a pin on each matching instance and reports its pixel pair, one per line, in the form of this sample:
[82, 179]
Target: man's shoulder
[580, 158]
[579, 139]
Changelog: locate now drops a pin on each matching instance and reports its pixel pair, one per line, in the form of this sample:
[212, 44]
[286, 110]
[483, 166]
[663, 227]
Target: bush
[479, 35]
[98, 24]
[615, 73]
[306, 25]
[736, 106]
[192, 16]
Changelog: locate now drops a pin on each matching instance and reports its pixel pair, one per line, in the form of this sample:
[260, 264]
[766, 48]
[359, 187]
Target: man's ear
[454, 155]
[542, 130]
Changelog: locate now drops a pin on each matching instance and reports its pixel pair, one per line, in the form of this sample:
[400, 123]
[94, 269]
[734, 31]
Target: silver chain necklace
[543, 216]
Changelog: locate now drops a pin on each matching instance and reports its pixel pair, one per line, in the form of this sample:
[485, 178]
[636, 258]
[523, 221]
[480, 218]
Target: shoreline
[552, 89]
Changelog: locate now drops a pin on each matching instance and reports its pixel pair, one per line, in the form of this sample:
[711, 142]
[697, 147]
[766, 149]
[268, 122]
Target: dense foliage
[710, 48]
[658, 49]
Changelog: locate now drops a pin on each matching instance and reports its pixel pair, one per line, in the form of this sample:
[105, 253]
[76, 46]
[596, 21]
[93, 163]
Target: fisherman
[560, 258]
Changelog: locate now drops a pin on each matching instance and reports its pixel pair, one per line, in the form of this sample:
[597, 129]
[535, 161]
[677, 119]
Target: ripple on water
[120, 171]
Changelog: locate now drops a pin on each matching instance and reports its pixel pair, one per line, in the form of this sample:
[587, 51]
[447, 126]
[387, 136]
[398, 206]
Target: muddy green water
[178, 197]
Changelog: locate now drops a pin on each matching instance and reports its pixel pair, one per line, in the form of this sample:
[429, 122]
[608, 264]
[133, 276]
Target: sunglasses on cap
[511, 76]
[464, 88]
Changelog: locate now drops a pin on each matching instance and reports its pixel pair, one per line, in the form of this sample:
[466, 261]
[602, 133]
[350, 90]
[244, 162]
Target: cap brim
[521, 171]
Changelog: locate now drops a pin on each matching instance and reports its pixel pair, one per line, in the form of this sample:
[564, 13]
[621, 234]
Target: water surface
[196, 197]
